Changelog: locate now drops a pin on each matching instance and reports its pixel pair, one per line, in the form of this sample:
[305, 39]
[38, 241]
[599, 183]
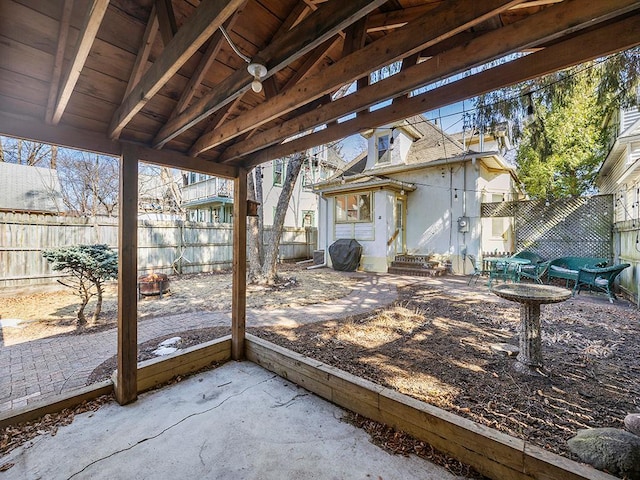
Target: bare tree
[255, 225]
[89, 183]
[25, 152]
[267, 274]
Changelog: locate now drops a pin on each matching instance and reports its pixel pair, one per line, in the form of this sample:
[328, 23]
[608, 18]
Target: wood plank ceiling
[162, 74]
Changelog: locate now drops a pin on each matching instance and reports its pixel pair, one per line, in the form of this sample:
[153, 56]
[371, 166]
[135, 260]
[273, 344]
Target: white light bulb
[256, 85]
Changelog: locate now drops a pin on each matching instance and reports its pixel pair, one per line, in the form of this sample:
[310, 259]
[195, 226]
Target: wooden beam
[310, 63]
[318, 27]
[606, 40]
[87, 35]
[205, 20]
[542, 27]
[397, 18]
[142, 58]
[25, 127]
[429, 29]
[63, 34]
[166, 20]
[239, 287]
[215, 44]
[126, 387]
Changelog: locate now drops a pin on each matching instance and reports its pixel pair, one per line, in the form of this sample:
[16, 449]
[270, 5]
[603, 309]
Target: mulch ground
[435, 346]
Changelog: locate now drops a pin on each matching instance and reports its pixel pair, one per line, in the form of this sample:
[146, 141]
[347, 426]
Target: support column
[530, 343]
[126, 387]
[239, 289]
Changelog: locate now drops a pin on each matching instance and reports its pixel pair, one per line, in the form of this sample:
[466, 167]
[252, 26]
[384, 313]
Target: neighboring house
[24, 188]
[210, 199]
[417, 192]
[619, 175]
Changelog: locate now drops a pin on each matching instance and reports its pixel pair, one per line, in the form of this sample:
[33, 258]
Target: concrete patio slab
[239, 421]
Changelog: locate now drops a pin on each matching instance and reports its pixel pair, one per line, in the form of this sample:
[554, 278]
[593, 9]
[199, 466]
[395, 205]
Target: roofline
[466, 157]
[375, 182]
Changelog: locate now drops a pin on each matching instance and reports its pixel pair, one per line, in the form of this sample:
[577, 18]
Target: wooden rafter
[427, 30]
[142, 58]
[63, 35]
[581, 48]
[311, 63]
[166, 20]
[319, 26]
[215, 44]
[536, 29]
[205, 20]
[397, 18]
[88, 33]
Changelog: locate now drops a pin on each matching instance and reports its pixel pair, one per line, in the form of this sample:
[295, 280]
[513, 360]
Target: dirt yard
[436, 346]
[53, 310]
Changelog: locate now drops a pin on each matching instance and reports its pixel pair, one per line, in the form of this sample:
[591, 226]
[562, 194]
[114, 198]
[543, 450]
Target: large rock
[614, 450]
[632, 423]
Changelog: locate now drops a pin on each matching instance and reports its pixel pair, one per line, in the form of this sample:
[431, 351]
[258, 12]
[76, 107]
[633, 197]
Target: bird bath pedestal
[530, 297]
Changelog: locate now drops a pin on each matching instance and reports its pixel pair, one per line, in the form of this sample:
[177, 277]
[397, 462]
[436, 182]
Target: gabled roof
[29, 189]
[434, 144]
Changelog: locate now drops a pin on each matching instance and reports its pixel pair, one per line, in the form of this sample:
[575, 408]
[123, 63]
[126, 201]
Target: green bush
[89, 267]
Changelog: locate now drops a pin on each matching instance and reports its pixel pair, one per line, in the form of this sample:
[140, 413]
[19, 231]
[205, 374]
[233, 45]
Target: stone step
[418, 272]
[401, 264]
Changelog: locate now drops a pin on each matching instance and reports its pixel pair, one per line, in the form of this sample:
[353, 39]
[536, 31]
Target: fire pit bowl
[153, 284]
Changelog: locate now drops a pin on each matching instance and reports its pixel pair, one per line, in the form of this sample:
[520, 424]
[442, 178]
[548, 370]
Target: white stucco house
[619, 175]
[417, 191]
[210, 199]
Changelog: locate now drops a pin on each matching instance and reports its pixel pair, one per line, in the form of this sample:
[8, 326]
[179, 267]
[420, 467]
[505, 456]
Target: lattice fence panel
[567, 227]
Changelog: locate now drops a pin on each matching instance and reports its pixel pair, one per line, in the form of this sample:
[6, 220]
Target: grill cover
[345, 254]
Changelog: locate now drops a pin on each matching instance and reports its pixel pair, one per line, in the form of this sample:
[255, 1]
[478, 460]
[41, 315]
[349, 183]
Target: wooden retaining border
[151, 373]
[492, 453]
[56, 403]
[157, 371]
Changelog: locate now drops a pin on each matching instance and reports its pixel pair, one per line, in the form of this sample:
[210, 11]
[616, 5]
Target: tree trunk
[54, 157]
[255, 225]
[271, 251]
[98, 310]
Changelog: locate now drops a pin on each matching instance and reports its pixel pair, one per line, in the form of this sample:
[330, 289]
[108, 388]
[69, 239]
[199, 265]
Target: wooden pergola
[167, 82]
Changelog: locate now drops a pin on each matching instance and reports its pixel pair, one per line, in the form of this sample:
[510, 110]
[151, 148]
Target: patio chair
[535, 271]
[478, 271]
[599, 279]
[504, 271]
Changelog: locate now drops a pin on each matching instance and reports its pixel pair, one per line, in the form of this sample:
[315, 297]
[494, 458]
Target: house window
[308, 218]
[278, 172]
[384, 155]
[353, 208]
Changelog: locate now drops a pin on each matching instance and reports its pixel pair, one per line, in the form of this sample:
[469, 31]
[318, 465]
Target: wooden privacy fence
[168, 247]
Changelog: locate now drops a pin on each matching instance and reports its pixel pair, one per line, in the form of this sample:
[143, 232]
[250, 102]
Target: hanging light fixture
[256, 69]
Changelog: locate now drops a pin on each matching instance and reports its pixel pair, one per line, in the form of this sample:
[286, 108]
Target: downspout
[326, 233]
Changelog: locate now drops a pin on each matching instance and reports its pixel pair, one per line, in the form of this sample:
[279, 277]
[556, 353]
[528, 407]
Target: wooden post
[126, 387]
[239, 290]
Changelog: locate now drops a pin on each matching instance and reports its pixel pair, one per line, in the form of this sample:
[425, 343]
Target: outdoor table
[530, 297]
[494, 272]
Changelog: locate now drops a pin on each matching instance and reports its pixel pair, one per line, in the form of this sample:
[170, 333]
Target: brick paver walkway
[32, 370]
